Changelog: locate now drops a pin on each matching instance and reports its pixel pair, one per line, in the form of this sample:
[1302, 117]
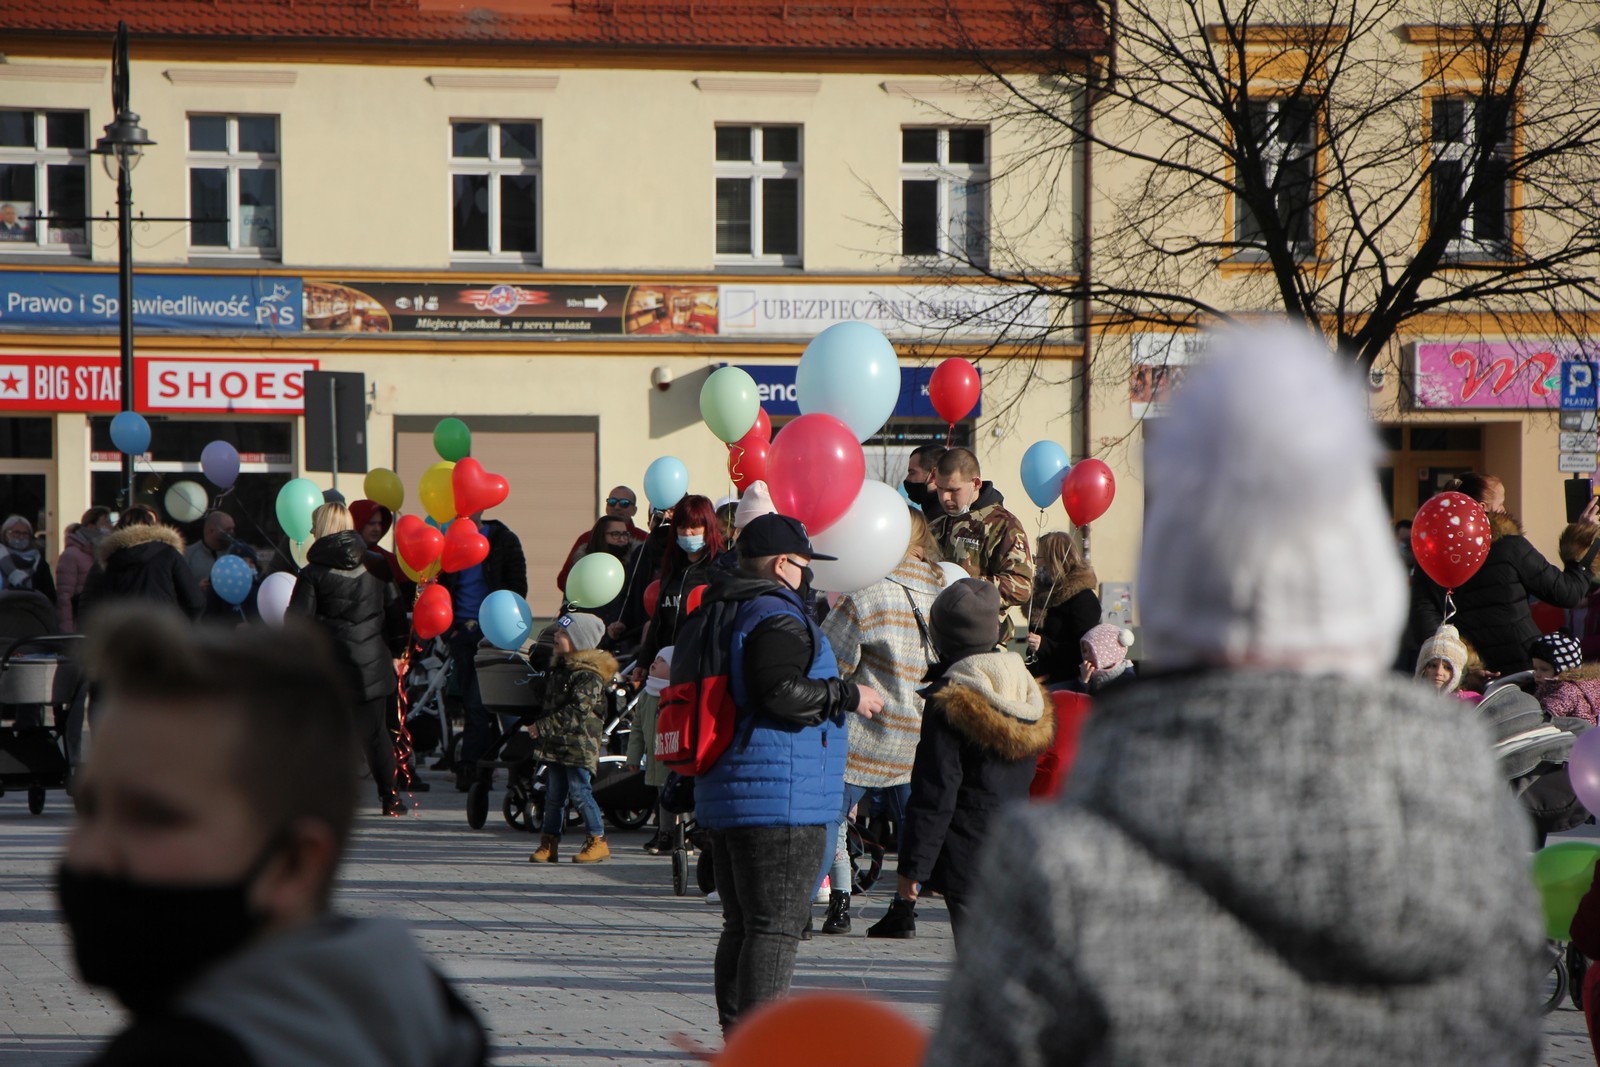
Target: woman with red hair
[687, 563]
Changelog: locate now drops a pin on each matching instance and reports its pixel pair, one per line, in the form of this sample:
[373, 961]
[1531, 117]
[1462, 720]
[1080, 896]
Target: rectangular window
[494, 190]
[758, 171]
[233, 184]
[1469, 180]
[944, 193]
[44, 181]
[1284, 132]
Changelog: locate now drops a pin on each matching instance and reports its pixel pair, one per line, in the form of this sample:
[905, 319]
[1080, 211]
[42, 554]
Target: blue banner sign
[775, 386]
[174, 303]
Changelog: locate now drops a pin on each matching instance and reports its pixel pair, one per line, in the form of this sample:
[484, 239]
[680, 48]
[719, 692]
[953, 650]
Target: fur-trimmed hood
[1504, 524]
[131, 536]
[993, 700]
[1587, 673]
[1578, 540]
[595, 661]
[1049, 594]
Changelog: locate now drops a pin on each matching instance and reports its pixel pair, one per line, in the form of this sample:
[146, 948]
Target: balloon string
[1449, 608]
[949, 434]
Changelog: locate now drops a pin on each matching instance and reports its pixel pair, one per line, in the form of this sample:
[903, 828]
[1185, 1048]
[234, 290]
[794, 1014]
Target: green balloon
[1563, 873]
[595, 580]
[730, 403]
[452, 440]
[296, 501]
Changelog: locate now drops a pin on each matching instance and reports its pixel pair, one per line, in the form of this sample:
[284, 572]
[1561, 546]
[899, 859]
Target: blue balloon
[505, 619]
[442, 527]
[1044, 467]
[666, 481]
[849, 371]
[231, 578]
[130, 433]
[220, 463]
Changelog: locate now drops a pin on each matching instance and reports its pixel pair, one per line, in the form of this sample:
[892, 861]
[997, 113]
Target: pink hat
[1107, 646]
[757, 501]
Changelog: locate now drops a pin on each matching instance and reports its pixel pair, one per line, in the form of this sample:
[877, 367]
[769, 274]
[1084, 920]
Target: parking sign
[1578, 386]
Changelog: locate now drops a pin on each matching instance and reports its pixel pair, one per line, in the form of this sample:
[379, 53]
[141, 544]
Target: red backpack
[695, 723]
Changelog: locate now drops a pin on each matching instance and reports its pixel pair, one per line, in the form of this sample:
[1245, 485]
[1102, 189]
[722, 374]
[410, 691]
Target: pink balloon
[814, 470]
[1583, 768]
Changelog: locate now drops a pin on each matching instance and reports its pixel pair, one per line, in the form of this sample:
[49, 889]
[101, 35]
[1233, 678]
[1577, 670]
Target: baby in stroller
[567, 735]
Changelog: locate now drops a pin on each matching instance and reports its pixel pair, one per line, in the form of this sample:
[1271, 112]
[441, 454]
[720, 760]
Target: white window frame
[1468, 243]
[493, 167]
[948, 175]
[233, 161]
[42, 158]
[755, 170]
[1275, 151]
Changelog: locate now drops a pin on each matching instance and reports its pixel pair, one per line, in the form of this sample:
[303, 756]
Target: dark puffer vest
[362, 613]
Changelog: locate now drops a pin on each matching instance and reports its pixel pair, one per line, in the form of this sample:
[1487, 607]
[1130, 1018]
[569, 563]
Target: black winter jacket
[1072, 610]
[1492, 606]
[984, 724]
[505, 567]
[362, 613]
[675, 590]
[142, 563]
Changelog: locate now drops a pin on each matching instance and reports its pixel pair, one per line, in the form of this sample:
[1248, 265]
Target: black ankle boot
[901, 920]
[838, 920]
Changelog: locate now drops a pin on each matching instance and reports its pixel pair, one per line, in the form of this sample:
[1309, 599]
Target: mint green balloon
[595, 580]
[729, 403]
[452, 440]
[296, 501]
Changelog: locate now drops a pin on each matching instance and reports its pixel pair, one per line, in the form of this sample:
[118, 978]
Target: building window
[494, 190]
[944, 193]
[758, 193]
[1284, 133]
[44, 171]
[233, 184]
[1469, 176]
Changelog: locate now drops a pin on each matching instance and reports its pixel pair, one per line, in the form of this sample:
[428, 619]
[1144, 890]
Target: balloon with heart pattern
[1450, 538]
[476, 489]
[464, 547]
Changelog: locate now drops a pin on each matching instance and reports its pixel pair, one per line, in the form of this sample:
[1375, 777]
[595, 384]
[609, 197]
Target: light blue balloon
[442, 527]
[232, 578]
[849, 371]
[505, 619]
[665, 482]
[130, 433]
[1044, 467]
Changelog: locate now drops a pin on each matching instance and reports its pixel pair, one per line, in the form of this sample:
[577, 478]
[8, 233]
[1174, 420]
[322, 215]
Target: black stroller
[43, 698]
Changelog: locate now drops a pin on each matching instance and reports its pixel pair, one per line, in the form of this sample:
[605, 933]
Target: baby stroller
[43, 698]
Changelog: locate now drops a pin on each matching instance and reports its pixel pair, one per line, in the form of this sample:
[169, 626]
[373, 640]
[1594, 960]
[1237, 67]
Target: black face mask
[804, 591]
[144, 942]
[620, 551]
[918, 492]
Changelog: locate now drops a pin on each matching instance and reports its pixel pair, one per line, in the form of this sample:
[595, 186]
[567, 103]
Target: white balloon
[953, 573]
[272, 599]
[186, 501]
[870, 540]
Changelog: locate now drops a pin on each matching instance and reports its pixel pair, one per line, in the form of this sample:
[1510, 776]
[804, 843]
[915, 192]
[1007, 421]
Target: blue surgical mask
[691, 543]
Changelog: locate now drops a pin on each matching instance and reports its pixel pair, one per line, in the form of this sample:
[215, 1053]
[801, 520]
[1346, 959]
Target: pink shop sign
[1522, 375]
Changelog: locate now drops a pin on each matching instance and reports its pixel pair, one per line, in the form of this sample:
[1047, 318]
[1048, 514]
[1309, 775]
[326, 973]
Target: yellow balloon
[298, 550]
[419, 576]
[383, 486]
[438, 496]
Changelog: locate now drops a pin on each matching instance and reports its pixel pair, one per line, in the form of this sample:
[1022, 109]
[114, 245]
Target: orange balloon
[836, 1029]
[691, 601]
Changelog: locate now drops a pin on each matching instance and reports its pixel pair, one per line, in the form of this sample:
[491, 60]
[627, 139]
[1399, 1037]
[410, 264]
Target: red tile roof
[889, 27]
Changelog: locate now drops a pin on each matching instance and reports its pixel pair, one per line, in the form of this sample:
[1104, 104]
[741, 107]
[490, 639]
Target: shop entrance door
[28, 474]
[1423, 460]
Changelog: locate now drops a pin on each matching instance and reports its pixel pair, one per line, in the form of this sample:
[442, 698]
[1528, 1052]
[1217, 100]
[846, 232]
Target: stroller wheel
[1554, 984]
[515, 808]
[36, 799]
[680, 872]
[628, 819]
[477, 804]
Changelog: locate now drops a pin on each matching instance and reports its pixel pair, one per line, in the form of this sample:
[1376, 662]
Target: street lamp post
[120, 151]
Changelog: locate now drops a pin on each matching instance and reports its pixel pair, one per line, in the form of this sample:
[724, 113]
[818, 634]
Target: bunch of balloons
[1450, 539]
[1085, 489]
[187, 501]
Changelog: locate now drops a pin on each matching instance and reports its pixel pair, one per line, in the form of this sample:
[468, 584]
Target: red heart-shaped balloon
[418, 543]
[432, 614]
[476, 489]
[464, 546]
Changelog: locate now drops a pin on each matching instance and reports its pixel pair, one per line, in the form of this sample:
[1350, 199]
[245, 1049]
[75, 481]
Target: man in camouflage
[979, 535]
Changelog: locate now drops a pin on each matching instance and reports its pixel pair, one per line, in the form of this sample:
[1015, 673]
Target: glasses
[617, 535]
[618, 502]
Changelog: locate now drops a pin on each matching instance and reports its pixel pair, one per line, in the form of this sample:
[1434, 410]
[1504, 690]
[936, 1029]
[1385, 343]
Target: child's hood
[595, 661]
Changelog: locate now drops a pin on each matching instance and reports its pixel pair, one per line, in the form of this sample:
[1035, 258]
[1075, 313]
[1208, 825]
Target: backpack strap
[928, 650]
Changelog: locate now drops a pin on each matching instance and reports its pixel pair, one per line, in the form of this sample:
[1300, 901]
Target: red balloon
[652, 597]
[1087, 491]
[760, 433]
[464, 546]
[418, 543]
[748, 463]
[692, 601]
[475, 488]
[815, 469]
[432, 614]
[954, 389]
[1450, 538]
[811, 1028]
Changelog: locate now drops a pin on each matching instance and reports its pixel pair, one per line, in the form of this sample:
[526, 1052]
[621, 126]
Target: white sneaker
[713, 897]
[824, 891]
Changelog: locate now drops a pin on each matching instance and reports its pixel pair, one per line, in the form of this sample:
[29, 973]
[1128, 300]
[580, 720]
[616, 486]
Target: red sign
[93, 384]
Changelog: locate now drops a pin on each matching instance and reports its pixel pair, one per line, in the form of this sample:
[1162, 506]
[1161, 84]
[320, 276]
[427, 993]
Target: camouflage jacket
[575, 709]
[988, 542]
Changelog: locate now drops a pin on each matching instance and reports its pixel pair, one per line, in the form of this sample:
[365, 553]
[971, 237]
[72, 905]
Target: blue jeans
[894, 796]
[559, 782]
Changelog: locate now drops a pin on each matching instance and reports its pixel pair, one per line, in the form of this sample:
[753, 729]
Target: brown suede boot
[549, 845]
[594, 850]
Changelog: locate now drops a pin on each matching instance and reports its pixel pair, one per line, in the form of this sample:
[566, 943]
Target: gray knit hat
[583, 630]
[965, 619]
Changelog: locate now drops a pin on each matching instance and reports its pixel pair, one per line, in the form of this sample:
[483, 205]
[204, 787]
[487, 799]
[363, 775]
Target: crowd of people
[1172, 902]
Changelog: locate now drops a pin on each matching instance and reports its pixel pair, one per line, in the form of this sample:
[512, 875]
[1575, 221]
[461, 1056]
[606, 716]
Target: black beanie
[965, 620]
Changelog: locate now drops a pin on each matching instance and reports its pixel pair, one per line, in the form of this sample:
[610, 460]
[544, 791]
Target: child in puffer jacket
[1563, 683]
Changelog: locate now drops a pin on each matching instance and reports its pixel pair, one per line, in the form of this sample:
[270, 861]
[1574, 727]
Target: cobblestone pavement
[567, 965]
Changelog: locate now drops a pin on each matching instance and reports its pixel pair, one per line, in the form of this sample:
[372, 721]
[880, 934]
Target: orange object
[692, 601]
[832, 1029]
